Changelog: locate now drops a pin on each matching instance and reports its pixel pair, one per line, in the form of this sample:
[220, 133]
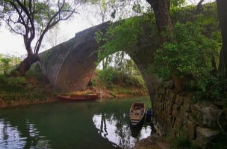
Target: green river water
[101, 124]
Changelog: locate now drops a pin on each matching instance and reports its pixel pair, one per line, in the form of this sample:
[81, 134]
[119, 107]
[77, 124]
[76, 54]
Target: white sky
[13, 45]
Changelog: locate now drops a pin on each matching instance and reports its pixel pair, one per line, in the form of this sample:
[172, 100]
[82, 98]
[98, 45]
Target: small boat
[78, 97]
[137, 112]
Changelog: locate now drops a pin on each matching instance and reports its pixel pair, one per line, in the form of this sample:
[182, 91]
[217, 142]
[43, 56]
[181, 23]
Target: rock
[175, 111]
[155, 105]
[159, 129]
[172, 96]
[159, 106]
[160, 97]
[162, 91]
[169, 131]
[186, 104]
[223, 120]
[206, 116]
[168, 84]
[190, 129]
[179, 100]
[168, 107]
[160, 117]
[156, 97]
[167, 93]
[204, 136]
[178, 123]
[169, 120]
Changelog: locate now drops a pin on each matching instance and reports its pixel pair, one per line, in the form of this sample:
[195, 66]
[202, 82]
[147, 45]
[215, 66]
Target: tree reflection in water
[21, 137]
[116, 128]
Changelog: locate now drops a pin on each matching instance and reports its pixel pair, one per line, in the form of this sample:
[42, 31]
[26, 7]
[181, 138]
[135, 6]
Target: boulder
[204, 136]
[205, 115]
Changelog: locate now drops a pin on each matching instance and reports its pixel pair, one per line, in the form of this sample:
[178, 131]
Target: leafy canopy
[122, 36]
[194, 54]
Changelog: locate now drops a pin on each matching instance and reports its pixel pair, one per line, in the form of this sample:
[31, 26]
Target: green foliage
[18, 88]
[4, 63]
[190, 56]
[121, 37]
[194, 54]
[8, 62]
[176, 3]
[210, 89]
[111, 77]
[191, 53]
[11, 83]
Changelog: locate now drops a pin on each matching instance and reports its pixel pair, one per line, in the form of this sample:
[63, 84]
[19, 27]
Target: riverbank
[13, 103]
[16, 91]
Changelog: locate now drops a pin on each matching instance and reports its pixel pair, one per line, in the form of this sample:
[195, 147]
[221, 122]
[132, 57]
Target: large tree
[222, 13]
[32, 19]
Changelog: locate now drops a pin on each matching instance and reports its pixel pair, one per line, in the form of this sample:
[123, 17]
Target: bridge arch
[70, 65]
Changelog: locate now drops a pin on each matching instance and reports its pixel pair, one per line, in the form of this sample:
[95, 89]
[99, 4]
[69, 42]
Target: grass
[17, 89]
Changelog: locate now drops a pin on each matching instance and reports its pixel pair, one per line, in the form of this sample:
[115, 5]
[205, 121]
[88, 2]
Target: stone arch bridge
[70, 65]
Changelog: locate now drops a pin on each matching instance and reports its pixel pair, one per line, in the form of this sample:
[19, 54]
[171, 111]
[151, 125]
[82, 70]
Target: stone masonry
[176, 115]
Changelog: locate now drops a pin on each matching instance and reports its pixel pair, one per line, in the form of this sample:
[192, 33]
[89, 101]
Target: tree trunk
[168, 4]
[222, 14]
[199, 7]
[163, 19]
[25, 65]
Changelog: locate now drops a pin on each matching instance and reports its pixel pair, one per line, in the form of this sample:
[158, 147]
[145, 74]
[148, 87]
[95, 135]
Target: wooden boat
[137, 112]
[78, 97]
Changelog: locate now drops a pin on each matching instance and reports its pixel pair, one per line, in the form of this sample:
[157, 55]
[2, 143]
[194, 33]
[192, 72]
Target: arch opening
[118, 73]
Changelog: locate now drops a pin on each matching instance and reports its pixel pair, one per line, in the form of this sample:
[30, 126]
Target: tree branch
[199, 7]
[31, 20]
[12, 29]
[51, 24]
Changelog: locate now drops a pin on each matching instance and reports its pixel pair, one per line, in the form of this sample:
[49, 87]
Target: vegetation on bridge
[191, 58]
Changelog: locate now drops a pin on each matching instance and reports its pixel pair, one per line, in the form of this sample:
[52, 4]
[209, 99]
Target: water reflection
[70, 125]
[118, 130]
[11, 138]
